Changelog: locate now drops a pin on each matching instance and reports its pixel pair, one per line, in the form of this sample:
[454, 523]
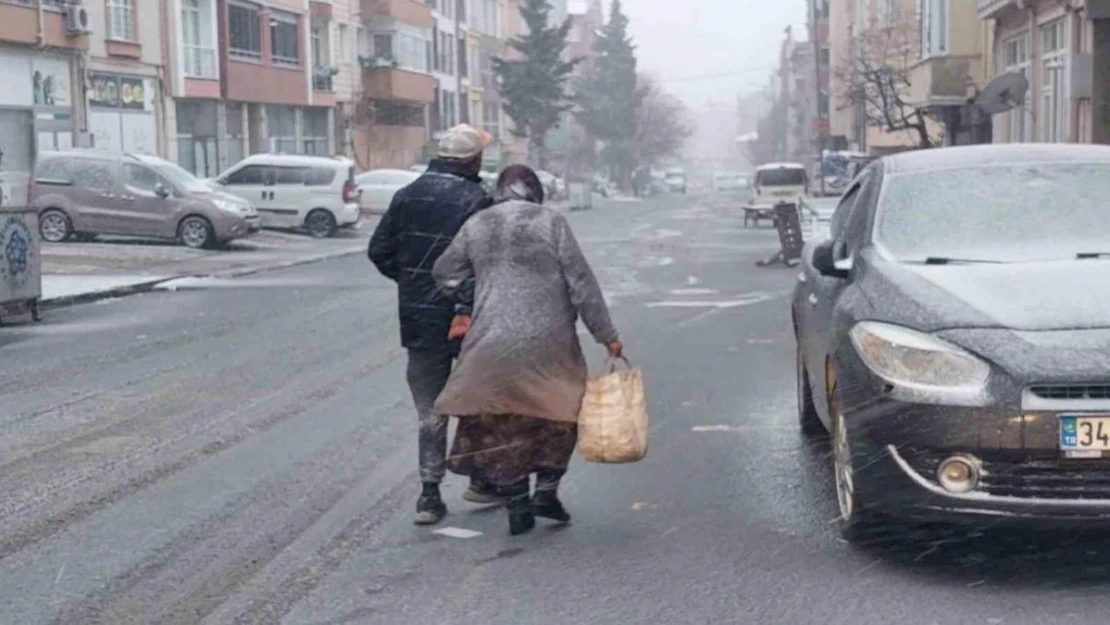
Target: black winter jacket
[420, 223]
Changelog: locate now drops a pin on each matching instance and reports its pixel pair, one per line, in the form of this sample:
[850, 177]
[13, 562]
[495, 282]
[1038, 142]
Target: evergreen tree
[533, 87]
[609, 97]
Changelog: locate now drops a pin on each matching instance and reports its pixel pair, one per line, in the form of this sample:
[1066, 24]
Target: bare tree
[876, 77]
[662, 122]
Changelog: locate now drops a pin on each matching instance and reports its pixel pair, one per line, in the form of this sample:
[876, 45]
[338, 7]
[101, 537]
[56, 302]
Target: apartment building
[486, 33]
[514, 148]
[800, 83]
[398, 51]
[246, 77]
[126, 110]
[1052, 44]
[42, 47]
[445, 63]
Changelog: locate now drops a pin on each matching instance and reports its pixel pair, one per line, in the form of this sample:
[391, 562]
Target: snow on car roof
[780, 166]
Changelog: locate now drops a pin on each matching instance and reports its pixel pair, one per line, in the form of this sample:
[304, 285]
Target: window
[319, 46]
[460, 11]
[314, 131]
[934, 27]
[290, 175]
[383, 47]
[284, 38]
[196, 29]
[121, 20]
[243, 31]
[249, 175]
[140, 178]
[491, 119]
[343, 44]
[1054, 89]
[1015, 58]
[463, 57]
[281, 126]
[407, 51]
[445, 53]
[485, 69]
[95, 176]
[319, 177]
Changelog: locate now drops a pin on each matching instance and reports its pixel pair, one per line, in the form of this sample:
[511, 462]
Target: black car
[953, 336]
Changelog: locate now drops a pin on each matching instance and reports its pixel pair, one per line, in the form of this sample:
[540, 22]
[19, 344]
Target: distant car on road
[675, 180]
[953, 333]
[84, 193]
[774, 183]
[291, 191]
[377, 187]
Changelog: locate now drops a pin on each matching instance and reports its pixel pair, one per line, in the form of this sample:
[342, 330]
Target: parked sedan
[378, 186]
[953, 335]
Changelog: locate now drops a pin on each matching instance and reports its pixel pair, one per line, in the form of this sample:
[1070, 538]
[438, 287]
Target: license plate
[1085, 436]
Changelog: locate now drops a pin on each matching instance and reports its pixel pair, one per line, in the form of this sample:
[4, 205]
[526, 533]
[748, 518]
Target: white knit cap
[463, 142]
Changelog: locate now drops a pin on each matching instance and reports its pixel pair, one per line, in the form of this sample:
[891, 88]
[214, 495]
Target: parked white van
[292, 191]
[779, 182]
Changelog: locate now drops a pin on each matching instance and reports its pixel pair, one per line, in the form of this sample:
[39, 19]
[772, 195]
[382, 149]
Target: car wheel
[195, 232]
[55, 226]
[320, 224]
[807, 411]
[856, 521]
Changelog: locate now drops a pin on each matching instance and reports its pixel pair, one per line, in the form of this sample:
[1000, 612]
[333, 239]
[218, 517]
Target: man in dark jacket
[420, 223]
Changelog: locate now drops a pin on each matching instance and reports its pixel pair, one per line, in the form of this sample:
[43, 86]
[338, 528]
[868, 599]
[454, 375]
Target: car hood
[1021, 296]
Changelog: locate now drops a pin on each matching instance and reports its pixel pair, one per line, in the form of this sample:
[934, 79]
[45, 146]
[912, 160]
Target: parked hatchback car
[953, 336]
[291, 191]
[377, 187]
[84, 193]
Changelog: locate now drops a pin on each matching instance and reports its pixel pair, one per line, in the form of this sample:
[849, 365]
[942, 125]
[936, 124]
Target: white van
[291, 191]
[778, 182]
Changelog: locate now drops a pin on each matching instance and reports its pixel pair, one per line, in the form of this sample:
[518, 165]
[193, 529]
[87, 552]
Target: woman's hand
[460, 325]
[616, 349]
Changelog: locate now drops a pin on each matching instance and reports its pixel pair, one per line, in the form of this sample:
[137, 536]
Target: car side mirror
[161, 191]
[824, 261]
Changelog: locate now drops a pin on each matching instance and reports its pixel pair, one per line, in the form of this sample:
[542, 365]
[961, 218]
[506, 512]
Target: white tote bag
[613, 422]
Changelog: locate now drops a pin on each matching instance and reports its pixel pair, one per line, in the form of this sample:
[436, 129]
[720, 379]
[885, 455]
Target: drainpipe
[40, 32]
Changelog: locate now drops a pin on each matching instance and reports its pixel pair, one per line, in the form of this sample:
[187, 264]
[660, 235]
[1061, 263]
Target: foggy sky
[679, 39]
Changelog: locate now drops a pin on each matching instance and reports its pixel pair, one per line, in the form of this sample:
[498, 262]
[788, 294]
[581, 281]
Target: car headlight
[229, 207]
[915, 359]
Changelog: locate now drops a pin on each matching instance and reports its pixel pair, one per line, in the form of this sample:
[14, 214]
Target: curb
[66, 301]
[145, 287]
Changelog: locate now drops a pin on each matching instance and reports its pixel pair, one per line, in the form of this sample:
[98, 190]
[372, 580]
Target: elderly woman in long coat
[519, 383]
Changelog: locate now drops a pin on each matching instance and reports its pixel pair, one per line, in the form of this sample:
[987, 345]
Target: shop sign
[116, 91]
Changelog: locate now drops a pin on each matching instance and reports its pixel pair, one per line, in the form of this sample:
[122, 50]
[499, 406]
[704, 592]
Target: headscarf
[519, 182]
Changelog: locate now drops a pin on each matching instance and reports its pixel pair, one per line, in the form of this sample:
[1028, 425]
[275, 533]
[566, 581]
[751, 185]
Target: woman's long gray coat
[532, 283]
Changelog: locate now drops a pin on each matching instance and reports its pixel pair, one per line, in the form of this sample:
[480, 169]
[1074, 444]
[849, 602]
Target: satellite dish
[1003, 93]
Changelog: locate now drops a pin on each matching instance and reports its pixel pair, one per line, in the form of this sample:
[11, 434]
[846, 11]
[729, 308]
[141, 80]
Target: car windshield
[784, 177]
[1008, 213]
[178, 176]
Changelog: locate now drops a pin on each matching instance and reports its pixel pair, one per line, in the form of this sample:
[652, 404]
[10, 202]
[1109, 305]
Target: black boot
[521, 517]
[430, 508]
[546, 504]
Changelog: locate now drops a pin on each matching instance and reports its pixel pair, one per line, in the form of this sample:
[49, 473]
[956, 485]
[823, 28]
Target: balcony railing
[200, 62]
[323, 78]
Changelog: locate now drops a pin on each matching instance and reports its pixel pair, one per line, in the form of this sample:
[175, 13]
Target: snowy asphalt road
[244, 452]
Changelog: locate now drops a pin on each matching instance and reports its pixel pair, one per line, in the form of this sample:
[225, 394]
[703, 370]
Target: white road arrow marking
[743, 300]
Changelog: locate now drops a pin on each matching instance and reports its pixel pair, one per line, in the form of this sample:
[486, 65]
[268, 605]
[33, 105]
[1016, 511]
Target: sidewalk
[79, 272]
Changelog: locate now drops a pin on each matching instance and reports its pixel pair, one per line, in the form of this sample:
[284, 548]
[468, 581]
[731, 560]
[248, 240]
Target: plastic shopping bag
[613, 422]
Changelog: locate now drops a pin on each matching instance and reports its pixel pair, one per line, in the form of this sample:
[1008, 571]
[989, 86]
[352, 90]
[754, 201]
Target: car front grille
[1072, 391]
[1025, 476]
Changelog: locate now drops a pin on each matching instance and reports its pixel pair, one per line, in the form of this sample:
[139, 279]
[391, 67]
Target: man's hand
[616, 349]
[460, 325]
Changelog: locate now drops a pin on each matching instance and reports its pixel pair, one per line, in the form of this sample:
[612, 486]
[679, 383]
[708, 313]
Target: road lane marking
[457, 532]
[691, 280]
[737, 428]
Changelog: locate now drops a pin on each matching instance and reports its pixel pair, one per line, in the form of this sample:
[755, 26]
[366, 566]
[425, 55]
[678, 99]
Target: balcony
[991, 9]
[943, 81]
[19, 24]
[200, 62]
[411, 12]
[390, 83]
[323, 78]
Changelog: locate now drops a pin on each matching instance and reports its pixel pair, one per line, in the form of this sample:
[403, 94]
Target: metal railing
[200, 62]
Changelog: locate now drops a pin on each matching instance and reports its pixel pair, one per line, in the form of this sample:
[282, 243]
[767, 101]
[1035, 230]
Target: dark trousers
[427, 376]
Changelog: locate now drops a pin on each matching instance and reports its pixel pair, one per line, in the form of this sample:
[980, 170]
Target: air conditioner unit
[77, 20]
